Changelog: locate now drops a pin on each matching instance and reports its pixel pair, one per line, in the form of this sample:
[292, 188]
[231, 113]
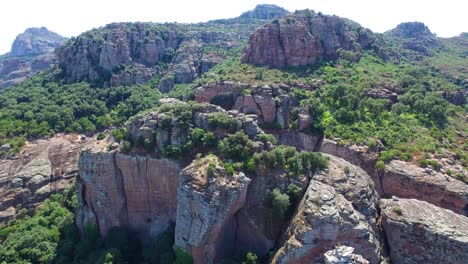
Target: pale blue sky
[69, 18]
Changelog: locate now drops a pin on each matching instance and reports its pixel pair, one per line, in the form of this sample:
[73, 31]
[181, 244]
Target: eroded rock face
[35, 41]
[37, 45]
[304, 38]
[87, 58]
[419, 232]
[324, 219]
[258, 226]
[206, 208]
[355, 185]
[456, 97]
[134, 192]
[265, 12]
[406, 180]
[45, 167]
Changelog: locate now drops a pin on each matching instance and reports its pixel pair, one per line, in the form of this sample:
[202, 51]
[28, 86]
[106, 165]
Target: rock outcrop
[133, 53]
[43, 168]
[418, 232]
[343, 255]
[271, 105]
[405, 180]
[305, 38]
[32, 51]
[206, 207]
[35, 41]
[265, 12]
[325, 218]
[355, 185]
[119, 190]
[414, 36]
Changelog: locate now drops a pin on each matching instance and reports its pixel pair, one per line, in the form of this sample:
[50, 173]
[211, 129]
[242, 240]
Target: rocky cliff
[419, 232]
[133, 53]
[305, 38]
[43, 168]
[32, 51]
[339, 207]
[134, 192]
[35, 41]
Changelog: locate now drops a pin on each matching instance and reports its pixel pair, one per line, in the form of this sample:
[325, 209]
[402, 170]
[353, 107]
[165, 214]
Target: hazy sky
[446, 18]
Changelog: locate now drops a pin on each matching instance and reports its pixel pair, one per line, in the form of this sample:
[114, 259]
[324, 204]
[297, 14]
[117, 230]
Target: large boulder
[406, 180]
[419, 232]
[325, 219]
[36, 41]
[355, 185]
[305, 38]
[43, 168]
[207, 202]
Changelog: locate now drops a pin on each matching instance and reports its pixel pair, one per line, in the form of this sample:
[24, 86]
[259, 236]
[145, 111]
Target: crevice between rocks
[120, 186]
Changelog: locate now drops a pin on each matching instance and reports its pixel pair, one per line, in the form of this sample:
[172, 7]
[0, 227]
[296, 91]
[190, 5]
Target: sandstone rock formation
[266, 12]
[271, 105]
[206, 208]
[325, 218]
[45, 167]
[355, 185]
[35, 41]
[414, 36]
[133, 53]
[32, 51]
[405, 180]
[134, 192]
[304, 38]
[419, 232]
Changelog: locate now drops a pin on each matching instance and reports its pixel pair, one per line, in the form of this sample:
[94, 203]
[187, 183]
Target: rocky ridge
[32, 51]
[419, 232]
[43, 168]
[305, 38]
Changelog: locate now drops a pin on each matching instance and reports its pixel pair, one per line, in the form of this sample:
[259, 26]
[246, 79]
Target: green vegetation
[422, 121]
[397, 210]
[40, 107]
[237, 146]
[51, 236]
[279, 202]
[223, 121]
[296, 163]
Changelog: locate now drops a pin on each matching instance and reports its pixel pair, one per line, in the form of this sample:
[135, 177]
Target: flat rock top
[411, 212]
[410, 170]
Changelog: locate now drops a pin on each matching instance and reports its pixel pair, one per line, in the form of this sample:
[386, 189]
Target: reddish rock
[206, 208]
[324, 220]
[43, 168]
[304, 38]
[419, 232]
[134, 192]
[406, 180]
[205, 94]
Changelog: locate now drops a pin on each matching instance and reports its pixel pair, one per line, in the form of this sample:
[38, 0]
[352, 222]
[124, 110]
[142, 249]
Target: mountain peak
[265, 11]
[34, 41]
[411, 30]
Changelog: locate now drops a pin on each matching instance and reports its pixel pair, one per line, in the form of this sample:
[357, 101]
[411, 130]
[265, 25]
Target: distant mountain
[31, 52]
[35, 41]
[264, 12]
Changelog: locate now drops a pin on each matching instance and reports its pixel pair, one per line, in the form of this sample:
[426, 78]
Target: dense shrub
[278, 201]
[237, 146]
[288, 158]
[222, 120]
